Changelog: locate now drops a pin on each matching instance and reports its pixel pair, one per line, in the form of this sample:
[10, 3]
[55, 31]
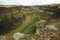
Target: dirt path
[27, 21]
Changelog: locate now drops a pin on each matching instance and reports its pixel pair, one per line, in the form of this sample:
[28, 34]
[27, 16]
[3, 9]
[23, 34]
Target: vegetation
[18, 19]
[32, 21]
[21, 28]
[33, 30]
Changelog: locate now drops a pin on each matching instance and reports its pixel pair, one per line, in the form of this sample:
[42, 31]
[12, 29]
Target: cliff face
[9, 18]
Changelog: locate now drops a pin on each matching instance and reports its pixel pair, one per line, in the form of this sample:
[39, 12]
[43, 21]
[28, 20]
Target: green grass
[33, 30]
[31, 22]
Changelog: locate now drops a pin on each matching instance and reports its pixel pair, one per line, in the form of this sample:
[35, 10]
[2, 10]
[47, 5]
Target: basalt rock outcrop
[9, 18]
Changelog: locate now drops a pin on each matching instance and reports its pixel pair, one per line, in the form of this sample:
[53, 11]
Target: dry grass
[22, 26]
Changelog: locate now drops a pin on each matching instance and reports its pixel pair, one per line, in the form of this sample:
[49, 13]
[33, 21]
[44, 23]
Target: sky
[28, 2]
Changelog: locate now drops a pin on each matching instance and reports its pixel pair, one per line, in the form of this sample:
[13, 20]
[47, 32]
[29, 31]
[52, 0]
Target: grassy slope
[28, 20]
[31, 22]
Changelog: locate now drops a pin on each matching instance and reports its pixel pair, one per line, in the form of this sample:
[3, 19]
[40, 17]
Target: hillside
[35, 22]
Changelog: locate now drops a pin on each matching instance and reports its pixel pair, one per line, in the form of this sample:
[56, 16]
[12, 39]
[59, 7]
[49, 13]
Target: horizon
[29, 2]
